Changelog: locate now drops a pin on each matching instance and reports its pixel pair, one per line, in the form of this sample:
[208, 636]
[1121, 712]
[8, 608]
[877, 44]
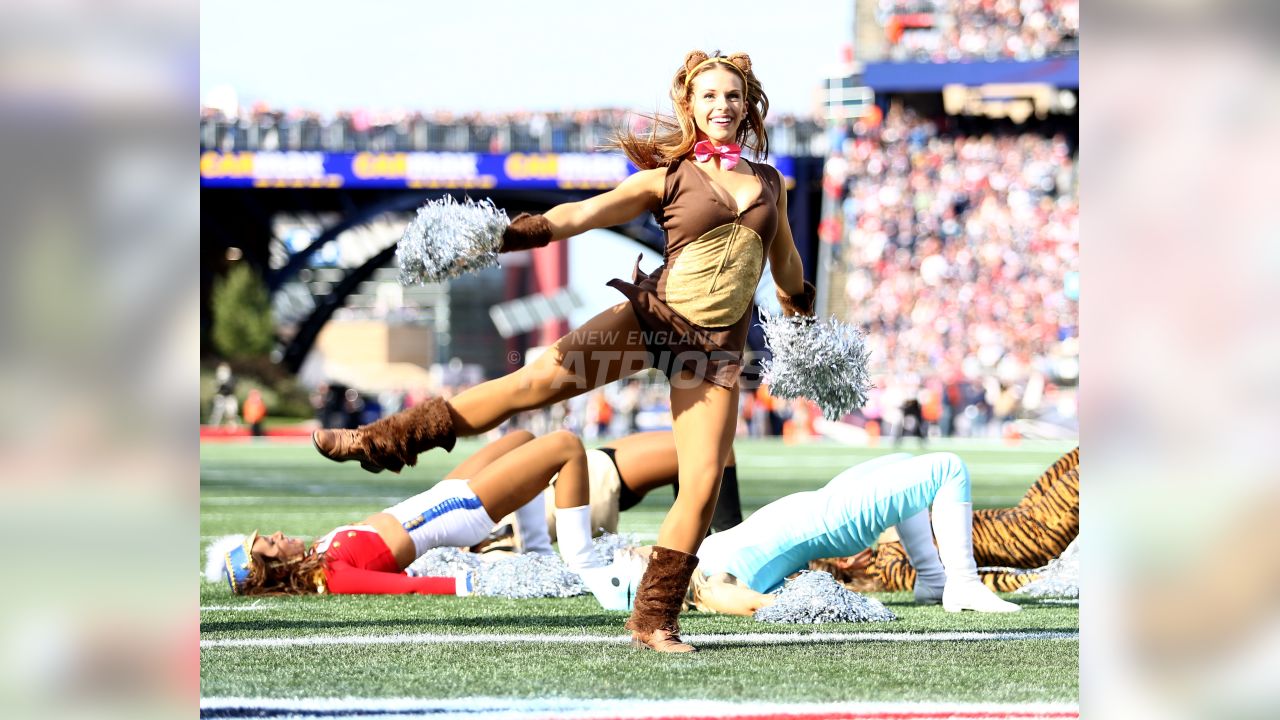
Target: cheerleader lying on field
[621, 473]
[1014, 540]
[370, 557]
[737, 568]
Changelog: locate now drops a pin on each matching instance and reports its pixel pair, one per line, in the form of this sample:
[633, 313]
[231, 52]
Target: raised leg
[517, 477]
[607, 347]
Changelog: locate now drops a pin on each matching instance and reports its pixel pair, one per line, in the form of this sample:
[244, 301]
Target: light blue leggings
[841, 519]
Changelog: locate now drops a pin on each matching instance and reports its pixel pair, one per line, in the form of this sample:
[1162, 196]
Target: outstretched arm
[635, 195]
[343, 579]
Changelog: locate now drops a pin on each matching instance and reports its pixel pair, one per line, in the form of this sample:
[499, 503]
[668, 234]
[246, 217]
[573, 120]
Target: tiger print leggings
[1028, 535]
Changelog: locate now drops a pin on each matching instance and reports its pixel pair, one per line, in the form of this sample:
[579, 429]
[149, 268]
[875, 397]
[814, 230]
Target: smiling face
[278, 546]
[718, 104]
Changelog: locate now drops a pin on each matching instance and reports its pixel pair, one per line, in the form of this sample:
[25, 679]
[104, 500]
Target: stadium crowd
[263, 128]
[960, 256]
[959, 30]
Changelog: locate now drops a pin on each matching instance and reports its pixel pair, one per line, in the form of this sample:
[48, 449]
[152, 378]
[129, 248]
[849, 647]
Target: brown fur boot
[654, 623]
[801, 304]
[392, 442]
[526, 232]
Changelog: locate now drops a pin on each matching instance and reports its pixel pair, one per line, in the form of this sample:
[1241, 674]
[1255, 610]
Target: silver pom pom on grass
[815, 597]
[821, 360]
[447, 239]
[1060, 578]
[518, 576]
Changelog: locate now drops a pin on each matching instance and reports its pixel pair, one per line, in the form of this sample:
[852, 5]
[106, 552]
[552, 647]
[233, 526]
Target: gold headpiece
[689, 78]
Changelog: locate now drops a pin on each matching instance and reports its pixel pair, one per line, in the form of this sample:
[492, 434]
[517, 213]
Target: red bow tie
[728, 154]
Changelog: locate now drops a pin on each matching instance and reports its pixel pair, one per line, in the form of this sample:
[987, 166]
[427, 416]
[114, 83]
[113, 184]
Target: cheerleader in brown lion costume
[723, 216]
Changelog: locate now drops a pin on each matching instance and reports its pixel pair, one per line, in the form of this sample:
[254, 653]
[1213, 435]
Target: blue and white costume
[841, 519]
[447, 515]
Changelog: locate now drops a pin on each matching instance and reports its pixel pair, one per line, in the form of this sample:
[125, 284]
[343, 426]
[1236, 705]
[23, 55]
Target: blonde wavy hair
[672, 138]
[303, 576]
[861, 580]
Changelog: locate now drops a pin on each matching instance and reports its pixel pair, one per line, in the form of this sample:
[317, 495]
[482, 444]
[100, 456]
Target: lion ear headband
[689, 78]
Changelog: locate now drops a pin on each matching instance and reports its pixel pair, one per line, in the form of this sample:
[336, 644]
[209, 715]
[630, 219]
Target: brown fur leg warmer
[801, 304]
[396, 441]
[526, 232]
[661, 591]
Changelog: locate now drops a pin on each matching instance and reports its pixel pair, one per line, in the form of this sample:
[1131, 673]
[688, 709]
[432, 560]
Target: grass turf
[286, 486]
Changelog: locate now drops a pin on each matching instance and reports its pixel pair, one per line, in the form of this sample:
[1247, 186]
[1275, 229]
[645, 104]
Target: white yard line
[206, 516]
[299, 499]
[987, 473]
[235, 608]
[587, 709]
[718, 639]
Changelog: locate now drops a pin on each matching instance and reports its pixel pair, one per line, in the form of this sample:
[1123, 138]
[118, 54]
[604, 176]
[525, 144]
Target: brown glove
[526, 232]
[801, 304]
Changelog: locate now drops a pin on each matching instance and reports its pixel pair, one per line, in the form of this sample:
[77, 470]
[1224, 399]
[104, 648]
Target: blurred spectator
[954, 255]
[353, 408]
[225, 405]
[391, 401]
[338, 406]
[255, 411]
[262, 128]
[912, 410]
[958, 30]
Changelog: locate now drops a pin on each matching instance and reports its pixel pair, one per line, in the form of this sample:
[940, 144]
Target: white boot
[573, 530]
[917, 538]
[614, 586]
[953, 526]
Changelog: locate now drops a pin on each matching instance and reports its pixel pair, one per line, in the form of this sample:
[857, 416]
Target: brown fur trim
[692, 59]
[742, 61]
[396, 441]
[662, 591]
[801, 304]
[525, 233]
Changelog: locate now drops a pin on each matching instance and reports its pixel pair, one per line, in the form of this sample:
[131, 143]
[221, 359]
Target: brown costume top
[695, 309]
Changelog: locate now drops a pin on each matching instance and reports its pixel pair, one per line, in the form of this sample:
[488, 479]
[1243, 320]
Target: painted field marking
[987, 473]
[223, 500]
[621, 709]
[720, 639]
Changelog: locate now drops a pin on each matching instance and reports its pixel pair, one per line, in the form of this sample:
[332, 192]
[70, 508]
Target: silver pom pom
[443, 562]
[446, 239]
[528, 575]
[815, 597]
[1060, 578]
[607, 546]
[514, 576]
[822, 360]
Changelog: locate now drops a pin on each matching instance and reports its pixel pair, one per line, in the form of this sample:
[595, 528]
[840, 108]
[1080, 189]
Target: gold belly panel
[714, 278]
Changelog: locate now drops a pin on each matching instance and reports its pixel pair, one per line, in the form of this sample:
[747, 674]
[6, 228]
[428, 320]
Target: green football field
[365, 654]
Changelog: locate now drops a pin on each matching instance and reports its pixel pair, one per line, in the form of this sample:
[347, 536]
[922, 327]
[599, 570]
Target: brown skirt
[674, 343]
